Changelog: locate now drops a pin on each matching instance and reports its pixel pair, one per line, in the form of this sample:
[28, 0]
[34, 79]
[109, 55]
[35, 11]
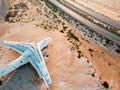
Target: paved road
[95, 15]
[3, 8]
[93, 26]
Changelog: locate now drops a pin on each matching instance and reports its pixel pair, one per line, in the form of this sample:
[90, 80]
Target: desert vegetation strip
[85, 30]
[96, 19]
[93, 14]
[96, 28]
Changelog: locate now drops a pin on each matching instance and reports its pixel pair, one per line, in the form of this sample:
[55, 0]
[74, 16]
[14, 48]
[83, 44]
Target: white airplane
[30, 52]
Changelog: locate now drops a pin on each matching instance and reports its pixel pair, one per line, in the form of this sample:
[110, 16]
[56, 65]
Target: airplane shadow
[25, 78]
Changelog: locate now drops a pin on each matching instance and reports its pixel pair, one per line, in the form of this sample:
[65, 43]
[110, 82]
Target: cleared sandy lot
[67, 71]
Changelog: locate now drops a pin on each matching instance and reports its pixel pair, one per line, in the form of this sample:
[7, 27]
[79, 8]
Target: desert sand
[108, 8]
[96, 65]
[66, 70]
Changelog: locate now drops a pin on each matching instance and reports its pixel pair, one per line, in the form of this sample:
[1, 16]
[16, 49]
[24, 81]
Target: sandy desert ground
[74, 64]
[109, 8]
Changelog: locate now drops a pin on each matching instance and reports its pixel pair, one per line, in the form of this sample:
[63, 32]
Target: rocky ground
[75, 63]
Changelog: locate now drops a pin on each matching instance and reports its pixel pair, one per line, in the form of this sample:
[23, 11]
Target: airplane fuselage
[30, 52]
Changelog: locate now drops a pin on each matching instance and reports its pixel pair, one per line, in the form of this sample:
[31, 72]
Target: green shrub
[71, 35]
[51, 6]
[90, 49]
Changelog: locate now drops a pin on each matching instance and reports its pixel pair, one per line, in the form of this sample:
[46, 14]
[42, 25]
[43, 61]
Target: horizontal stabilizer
[44, 43]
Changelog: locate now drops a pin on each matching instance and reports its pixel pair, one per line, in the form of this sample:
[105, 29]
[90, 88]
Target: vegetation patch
[79, 54]
[118, 51]
[105, 84]
[71, 35]
[51, 6]
[21, 6]
[45, 26]
[109, 64]
[61, 31]
[11, 14]
[65, 27]
[93, 74]
[87, 61]
[91, 50]
[16, 12]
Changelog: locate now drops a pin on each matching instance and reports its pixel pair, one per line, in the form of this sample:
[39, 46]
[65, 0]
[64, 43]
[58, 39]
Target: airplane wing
[17, 46]
[14, 65]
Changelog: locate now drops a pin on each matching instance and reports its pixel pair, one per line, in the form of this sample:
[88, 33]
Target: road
[95, 15]
[93, 26]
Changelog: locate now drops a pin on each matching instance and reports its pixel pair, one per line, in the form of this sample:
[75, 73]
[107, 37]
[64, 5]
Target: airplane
[30, 52]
